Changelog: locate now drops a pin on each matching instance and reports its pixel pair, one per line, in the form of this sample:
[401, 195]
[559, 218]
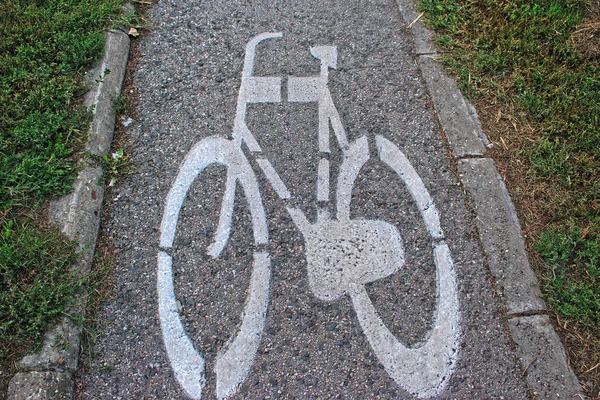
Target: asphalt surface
[188, 78]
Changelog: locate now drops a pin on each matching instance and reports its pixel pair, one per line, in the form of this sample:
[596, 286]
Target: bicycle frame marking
[343, 254]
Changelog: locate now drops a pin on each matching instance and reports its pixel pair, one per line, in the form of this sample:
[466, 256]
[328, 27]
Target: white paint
[261, 90]
[425, 369]
[396, 160]
[251, 51]
[278, 185]
[343, 254]
[187, 363]
[235, 361]
[224, 226]
[355, 156]
[327, 107]
[215, 150]
[314, 88]
[254, 90]
[323, 180]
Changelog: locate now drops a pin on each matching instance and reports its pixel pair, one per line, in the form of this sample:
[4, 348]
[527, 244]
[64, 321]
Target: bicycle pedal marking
[343, 254]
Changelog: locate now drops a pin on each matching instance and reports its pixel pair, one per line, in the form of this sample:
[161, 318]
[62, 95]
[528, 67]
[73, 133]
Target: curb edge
[540, 352]
[48, 374]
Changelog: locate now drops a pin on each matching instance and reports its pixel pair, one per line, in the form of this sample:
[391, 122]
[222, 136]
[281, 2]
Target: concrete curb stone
[47, 374]
[499, 232]
[60, 350]
[108, 76]
[539, 349]
[453, 112]
[41, 385]
[77, 213]
[543, 362]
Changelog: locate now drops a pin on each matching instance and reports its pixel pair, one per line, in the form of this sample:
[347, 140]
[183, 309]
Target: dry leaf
[133, 32]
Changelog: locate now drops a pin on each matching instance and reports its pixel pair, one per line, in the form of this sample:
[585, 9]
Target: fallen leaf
[133, 32]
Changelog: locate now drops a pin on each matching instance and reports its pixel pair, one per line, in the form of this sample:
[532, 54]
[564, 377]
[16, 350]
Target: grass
[36, 281]
[46, 48]
[532, 69]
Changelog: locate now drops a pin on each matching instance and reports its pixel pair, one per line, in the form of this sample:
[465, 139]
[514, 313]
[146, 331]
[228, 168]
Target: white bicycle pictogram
[343, 254]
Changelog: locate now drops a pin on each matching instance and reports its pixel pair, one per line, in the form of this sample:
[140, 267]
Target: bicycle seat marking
[343, 254]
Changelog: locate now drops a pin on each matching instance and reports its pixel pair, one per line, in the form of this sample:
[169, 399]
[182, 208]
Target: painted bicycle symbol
[343, 254]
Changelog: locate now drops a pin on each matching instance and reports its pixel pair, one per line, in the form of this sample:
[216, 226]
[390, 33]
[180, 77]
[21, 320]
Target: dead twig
[593, 368]
[528, 365]
[416, 19]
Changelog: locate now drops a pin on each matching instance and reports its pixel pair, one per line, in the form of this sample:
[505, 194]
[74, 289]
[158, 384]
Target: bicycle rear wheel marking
[235, 360]
[344, 254]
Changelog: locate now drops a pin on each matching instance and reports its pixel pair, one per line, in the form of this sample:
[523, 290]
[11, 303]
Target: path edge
[541, 356]
[48, 374]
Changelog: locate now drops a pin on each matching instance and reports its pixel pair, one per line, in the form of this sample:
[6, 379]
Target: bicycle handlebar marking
[343, 254]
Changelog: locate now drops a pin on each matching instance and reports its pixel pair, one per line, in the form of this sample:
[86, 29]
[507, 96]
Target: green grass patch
[46, 48]
[36, 281]
[527, 58]
[573, 256]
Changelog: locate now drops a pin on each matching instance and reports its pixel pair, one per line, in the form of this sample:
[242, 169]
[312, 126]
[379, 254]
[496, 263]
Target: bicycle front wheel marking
[424, 370]
[186, 362]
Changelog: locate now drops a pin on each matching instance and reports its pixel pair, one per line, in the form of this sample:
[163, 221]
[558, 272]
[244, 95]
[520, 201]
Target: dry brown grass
[509, 134]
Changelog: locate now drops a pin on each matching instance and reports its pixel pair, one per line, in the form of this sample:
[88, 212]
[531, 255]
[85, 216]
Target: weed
[572, 282]
[116, 165]
[44, 49]
[123, 106]
[99, 289]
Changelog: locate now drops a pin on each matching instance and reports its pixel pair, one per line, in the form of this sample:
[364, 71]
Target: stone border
[541, 355]
[48, 374]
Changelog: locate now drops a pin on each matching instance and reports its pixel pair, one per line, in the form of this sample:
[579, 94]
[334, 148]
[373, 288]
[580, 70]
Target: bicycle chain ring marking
[343, 254]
